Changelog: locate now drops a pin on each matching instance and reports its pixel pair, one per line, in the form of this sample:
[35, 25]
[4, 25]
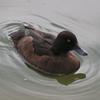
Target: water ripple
[16, 76]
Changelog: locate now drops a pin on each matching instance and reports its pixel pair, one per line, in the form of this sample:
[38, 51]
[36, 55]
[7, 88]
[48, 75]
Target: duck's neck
[58, 51]
[58, 48]
[60, 45]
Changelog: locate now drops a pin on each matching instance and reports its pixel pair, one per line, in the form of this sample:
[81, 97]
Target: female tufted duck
[48, 53]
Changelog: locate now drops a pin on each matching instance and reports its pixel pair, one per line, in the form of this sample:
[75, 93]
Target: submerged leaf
[68, 79]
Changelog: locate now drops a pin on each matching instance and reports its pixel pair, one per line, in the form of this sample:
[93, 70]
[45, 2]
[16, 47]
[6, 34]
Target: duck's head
[65, 42]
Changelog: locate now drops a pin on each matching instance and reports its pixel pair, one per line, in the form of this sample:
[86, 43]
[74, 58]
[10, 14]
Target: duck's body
[41, 49]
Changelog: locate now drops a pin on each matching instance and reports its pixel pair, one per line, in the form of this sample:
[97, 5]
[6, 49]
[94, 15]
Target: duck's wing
[39, 34]
[42, 42]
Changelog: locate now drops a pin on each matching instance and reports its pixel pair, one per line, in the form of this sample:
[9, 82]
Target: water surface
[18, 82]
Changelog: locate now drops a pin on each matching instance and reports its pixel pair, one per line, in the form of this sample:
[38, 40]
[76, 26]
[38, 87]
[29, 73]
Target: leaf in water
[68, 79]
[61, 78]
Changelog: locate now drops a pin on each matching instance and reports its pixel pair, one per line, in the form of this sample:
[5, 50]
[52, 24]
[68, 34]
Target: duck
[48, 53]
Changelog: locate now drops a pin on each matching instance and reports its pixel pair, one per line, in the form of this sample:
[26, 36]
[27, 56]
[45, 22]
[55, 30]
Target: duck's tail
[21, 32]
[18, 30]
[16, 36]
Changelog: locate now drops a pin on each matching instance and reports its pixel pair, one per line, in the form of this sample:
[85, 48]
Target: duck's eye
[68, 40]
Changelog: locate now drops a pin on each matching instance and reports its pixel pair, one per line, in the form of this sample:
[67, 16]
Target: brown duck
[48, 53]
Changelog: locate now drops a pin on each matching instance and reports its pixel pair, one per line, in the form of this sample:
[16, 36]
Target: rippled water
[18, 82]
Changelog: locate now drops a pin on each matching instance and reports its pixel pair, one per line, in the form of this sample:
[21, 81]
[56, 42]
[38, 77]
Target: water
[18, 82]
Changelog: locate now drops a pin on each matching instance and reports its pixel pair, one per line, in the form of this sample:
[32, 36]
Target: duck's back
[42, 42]
[35, 46]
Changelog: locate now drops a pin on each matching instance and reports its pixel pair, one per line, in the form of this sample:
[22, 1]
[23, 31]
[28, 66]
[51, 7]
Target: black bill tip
[80, 51]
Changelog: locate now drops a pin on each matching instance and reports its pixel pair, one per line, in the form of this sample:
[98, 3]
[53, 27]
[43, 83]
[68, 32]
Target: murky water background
[17, 81]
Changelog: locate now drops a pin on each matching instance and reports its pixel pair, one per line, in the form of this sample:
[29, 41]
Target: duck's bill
[80, 51]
